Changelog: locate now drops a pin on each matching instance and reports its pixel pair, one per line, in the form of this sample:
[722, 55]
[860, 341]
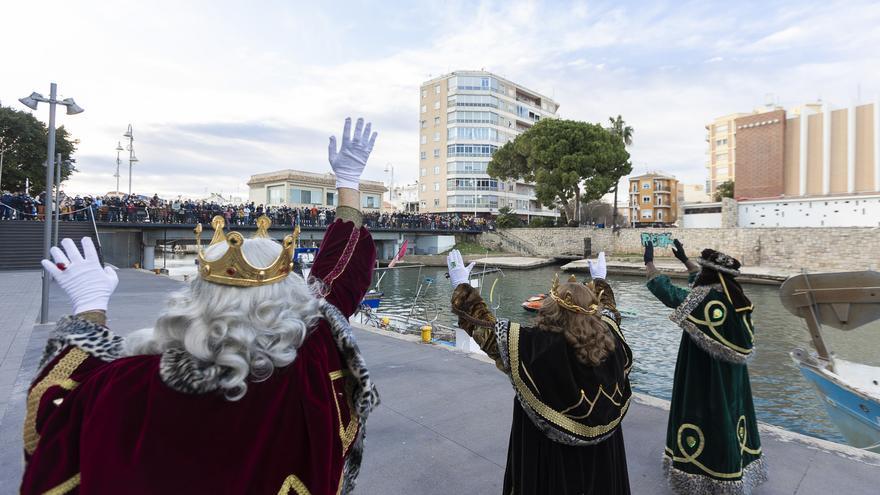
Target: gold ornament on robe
[233, 268]
[567, 302]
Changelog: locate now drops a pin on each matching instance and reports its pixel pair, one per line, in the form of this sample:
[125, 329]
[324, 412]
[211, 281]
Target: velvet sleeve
[345, 264]
[475, 318]
[663, 289]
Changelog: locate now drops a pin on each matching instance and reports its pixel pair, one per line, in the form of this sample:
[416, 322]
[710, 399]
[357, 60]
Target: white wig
[241, 332]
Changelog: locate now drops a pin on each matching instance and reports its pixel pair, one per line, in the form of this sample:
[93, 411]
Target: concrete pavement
[443, 424]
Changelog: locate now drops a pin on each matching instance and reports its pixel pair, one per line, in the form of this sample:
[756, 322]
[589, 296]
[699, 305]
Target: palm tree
[619, 127]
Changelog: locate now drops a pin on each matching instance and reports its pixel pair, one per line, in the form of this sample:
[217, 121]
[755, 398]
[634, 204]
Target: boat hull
[855, 413]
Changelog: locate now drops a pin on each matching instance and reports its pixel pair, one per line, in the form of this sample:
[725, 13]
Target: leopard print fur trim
[693, 299]
[502, 329]
[683, 483]
[182, 372]
[713, 347]
[365, 397]
[717, 267]
[352, 467]
[95, 340]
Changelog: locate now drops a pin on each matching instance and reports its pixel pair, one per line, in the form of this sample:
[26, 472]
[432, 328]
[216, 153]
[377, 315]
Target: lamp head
[32, 100]
[72, 107]
[119, 146]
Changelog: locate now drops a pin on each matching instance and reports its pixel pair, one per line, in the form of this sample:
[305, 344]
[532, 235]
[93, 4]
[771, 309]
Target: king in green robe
[712, 441]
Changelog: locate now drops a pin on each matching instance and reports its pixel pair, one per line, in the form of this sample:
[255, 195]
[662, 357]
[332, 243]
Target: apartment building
[653, 199]
[464, 117]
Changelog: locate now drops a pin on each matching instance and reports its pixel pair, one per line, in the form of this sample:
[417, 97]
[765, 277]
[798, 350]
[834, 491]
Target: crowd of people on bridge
[143, 209]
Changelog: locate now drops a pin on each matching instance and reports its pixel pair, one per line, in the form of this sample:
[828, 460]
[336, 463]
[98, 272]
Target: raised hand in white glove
[597, 268]
[349, 162]
[87, 284]
[458, 273]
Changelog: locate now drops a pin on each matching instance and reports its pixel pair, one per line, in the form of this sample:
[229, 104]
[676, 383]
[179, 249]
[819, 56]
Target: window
[659, 215]
[305, 196]
[423, 155]
[424, 124]
[436, 186]
[636, 186]
[472, 184]
[720, 128]
[436, 170]
[467, 167]
[472, 101]
[436, 105]
[424, 139]
[436, 201]
[436, 152]
[472, 133]
[424, 108]
[331, 199]
[478, 83]
[659, 200]
[424, 94]
[436, 89]
[424, 172]
[646, 199]
[721, 172]
[468, 117]
[275, 195]
[646, 185]
[424, 187]
[646, 213]
[436, 121]
[453, 150]
[436, 137]
[721, 142]
[720, 157]
[370, 201]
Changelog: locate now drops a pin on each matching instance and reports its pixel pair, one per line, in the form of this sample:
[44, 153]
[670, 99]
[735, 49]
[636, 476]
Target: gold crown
[233, 268]
[567, 302]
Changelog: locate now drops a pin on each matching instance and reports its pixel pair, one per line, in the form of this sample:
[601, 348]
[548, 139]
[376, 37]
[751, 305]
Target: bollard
[426, 334]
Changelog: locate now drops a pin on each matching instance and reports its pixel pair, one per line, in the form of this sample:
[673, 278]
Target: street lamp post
[390, 168]
[72, 109]
[119, 149]
[131, 158]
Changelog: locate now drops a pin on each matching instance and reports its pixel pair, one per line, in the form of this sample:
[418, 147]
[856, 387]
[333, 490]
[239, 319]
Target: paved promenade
[443, 424]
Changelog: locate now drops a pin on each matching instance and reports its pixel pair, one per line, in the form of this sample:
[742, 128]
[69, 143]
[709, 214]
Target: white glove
[87, 284]
[458, 273]
[349, 162]
[597, 268]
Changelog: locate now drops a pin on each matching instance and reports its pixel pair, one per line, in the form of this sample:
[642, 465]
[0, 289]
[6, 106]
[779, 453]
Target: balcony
[664, 190]
[662, 206]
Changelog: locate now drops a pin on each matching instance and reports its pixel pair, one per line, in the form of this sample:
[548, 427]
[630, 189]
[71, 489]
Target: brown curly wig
[588, 335]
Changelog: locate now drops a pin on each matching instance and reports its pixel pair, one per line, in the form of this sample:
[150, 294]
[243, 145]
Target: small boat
[534, 303]
[850, 391]
[372, 299]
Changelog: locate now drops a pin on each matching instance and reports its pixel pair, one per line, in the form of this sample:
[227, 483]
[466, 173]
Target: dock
[750, 274]
[444, 421]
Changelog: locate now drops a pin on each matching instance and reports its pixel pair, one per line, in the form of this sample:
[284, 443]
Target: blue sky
[217, 91]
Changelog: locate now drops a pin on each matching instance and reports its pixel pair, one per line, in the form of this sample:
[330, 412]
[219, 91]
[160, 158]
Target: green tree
[724, 190]
[625, 133]
[26, 157]
[569, 162]
[506, 219]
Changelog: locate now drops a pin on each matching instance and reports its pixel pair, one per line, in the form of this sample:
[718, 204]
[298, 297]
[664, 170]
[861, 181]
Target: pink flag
[399, 256]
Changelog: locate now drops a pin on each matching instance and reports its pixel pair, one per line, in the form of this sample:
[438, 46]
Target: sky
[219, 90]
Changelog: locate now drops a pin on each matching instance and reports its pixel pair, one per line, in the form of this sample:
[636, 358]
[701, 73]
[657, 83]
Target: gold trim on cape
[65, 487]
[545, 411]
[292, 482]
[347, 433]
[58, 375]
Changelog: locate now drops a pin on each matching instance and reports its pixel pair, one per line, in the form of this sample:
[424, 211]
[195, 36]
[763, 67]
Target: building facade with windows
[653, 199]
[465, 116]
[297, 188]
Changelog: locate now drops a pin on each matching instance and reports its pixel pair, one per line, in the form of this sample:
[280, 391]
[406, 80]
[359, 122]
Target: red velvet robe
[116, 428]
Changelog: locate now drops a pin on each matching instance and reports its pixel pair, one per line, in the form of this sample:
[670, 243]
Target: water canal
[782, 396]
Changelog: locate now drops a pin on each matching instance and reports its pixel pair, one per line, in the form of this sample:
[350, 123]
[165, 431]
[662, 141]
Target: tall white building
[464, 117]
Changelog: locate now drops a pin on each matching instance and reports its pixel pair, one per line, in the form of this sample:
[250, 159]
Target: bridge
[124, 244]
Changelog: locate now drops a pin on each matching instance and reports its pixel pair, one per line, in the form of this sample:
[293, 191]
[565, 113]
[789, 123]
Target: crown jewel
[567, 302]
[233, 268]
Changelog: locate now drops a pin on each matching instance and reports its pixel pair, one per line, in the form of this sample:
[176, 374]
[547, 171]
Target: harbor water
[782, 396]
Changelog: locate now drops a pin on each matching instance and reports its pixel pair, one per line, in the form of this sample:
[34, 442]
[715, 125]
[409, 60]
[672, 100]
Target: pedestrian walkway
[19, 308]
[444, 421]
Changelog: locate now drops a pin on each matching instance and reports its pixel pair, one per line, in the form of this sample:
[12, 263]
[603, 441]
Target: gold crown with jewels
[233, 268]
[567, 302]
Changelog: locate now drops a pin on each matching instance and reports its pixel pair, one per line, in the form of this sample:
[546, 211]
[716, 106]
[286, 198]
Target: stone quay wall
[816, 249]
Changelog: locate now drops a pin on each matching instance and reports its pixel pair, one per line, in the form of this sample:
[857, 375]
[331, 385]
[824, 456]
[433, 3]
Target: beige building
[653, 199]
[693, 193]
[297, 188]
[812, 150]
[464, 117]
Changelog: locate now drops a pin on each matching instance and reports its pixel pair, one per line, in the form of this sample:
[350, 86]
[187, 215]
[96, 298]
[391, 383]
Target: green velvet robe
[712, 442]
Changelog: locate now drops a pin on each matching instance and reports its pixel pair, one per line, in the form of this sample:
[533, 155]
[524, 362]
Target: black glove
[678, 251]
[649, 252]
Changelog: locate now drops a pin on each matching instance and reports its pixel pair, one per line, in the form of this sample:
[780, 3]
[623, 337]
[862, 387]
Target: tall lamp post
[131, 158]
[390, 168]
[72, 109]
[119, 150]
